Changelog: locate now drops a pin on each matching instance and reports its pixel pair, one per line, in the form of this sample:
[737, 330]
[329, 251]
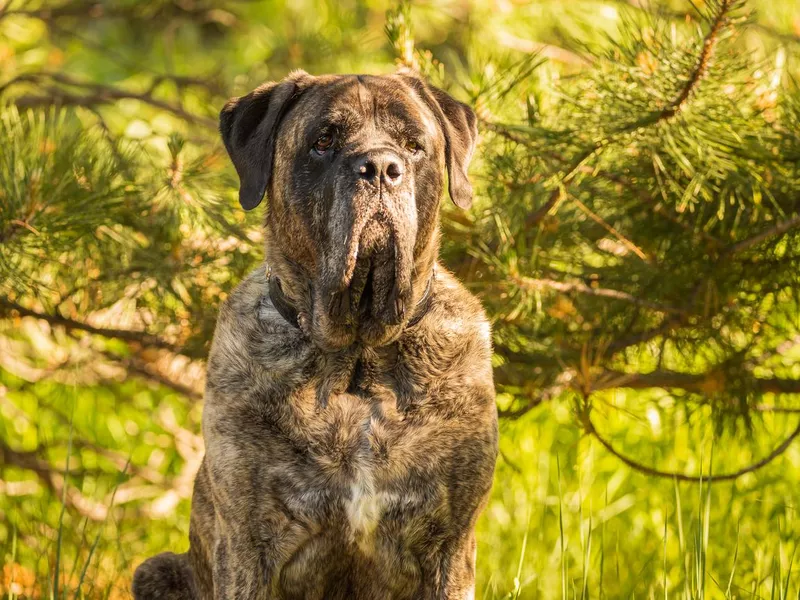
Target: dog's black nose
[380, 166]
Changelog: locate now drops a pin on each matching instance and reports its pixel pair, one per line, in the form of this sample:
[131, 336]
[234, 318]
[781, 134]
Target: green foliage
[635, 239]
[650, 221]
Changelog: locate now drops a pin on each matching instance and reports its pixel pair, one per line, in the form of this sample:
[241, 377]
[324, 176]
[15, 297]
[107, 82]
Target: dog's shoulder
[452, 344]
[252, 341]
[248, 311]
[457, 313]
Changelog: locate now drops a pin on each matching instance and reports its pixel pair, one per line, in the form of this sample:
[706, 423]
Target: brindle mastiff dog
[350, 424]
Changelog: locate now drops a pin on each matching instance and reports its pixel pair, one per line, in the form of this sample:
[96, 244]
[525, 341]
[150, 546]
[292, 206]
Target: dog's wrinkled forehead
[353, 102]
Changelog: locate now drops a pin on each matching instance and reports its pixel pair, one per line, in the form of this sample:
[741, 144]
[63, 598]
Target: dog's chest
[361, 456]
[361, 462]
[363, 490]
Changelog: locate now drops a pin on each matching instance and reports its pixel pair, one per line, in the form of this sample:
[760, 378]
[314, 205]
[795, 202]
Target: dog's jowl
[349, 422]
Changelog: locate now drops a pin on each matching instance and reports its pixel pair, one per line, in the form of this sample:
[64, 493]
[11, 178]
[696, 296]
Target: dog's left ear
[460, 127]
[249, 125]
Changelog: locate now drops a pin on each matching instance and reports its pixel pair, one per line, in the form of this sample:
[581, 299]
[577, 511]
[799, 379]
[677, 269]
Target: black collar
[281, 302]
[290, 314]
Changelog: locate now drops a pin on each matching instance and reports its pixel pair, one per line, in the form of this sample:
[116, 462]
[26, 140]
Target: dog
[349, 420]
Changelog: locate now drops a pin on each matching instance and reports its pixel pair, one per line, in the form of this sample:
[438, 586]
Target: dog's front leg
[249, 555]
[450, 575]
[239, 572]
[254, 534]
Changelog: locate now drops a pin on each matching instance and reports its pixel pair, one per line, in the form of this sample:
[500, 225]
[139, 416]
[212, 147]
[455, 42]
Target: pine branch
[669, 323]
[530, 283]
[614, 178]
[710, 42]
[778, 229]
[646, 198]
[703, 61]
[610, 379]
[578, 165]
[540, 213]
[678, 15]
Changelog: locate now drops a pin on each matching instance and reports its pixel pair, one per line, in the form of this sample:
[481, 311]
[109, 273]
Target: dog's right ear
[249, 125]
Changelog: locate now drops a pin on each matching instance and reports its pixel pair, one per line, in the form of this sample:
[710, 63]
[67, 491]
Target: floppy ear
[249, 125]
[460, 127]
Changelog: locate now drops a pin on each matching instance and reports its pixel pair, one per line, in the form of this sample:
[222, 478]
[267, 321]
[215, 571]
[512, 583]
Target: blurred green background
[120, 234]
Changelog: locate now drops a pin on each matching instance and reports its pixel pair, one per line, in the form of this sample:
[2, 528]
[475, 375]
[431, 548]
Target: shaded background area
[635, 240]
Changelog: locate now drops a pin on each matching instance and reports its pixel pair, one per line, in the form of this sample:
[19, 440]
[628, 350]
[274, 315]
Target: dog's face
[354, 168]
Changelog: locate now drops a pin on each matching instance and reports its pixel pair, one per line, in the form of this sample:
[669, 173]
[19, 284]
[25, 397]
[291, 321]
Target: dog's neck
[294, 317]
[291, 285]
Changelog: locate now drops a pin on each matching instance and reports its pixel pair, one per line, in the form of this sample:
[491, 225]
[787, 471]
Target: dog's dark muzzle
[372, 291]
[365, 278]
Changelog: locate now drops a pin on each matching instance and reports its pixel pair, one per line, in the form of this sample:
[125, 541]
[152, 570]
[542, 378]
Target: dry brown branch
[642, 468]
[190, 447]
[109, 10]
[612, 230]
[53, 480]
[530, 283]
[138, 337]
[137, 366]
[95, 94]
[118, 459]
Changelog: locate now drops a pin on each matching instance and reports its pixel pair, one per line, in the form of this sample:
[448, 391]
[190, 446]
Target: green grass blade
[60, 538]
[561, 533]
[664, 581]
[733, 567]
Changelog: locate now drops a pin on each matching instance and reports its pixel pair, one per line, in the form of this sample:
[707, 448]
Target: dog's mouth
[367, 293]
[373, 288]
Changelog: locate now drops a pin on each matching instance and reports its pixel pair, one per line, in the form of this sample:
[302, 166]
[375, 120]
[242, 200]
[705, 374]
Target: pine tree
[644, 231]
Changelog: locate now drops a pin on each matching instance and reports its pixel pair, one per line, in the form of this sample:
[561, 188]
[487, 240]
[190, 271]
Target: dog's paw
[164, 577]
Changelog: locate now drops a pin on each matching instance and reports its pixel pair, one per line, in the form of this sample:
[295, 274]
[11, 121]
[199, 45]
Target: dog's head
[354, 169]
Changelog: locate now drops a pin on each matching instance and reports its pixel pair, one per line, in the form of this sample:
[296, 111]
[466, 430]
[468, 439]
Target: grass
[693, 560]
[647, 538]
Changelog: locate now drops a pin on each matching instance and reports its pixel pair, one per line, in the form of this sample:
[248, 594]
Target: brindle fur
[348, 457]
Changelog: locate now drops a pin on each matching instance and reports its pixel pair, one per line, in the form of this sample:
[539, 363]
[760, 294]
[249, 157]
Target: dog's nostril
[380, 166]
[367, 170]
[393, 171]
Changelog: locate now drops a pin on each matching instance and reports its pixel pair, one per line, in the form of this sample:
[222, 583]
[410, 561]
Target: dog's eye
[322, 144]
[412, 146]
